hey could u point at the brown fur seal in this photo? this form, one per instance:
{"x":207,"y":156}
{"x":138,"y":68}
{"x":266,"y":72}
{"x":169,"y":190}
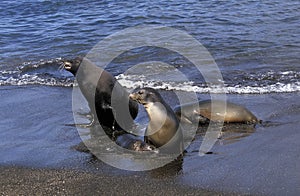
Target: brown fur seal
{"x":201,"y":112}
{"x":97,"y":86}
{"x":163,"y":130}
{"x":132,"y":142}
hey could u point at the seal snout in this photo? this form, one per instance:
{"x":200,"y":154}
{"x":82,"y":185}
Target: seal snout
{"x":72,"y":65}
{"x":145,"y":96}
{"x":67,"y":65}
{"x":142,"y":146}
{"x":133,"y":96}
{"x":137,"y":95}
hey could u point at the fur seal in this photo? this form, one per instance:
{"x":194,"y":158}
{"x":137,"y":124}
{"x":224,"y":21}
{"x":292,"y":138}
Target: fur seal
{"x":201,"y":112}
{"x":163,"y":130}
{"x":132,"y":142}
{"x":97,"y":86}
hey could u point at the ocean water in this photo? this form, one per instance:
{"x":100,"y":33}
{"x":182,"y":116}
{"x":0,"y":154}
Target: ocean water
{"x":254,"y":43}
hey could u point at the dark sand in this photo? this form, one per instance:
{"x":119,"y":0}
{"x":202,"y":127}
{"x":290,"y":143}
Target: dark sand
{"x":16,"y":181}
{"x":37,"y":153}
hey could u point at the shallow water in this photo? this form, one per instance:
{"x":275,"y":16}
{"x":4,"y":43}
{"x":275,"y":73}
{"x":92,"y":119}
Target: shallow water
{"x":31,"y":132}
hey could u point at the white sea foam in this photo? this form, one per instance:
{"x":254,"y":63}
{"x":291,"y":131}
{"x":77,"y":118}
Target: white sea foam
{"x":127,"y":82}
{"x":27,"y":79}
{"x":133,"y":81}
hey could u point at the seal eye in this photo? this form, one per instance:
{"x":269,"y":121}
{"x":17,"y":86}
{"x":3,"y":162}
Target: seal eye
{"x":141,"y":92}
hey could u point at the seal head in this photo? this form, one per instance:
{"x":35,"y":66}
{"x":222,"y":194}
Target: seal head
{"x":72,"y":65}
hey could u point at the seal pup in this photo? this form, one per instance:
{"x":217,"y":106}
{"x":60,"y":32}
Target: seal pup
{"x":132,"y":142}
{"x":201,"y":112}
{"x":163,"y":130}
{"x":98,"y":86}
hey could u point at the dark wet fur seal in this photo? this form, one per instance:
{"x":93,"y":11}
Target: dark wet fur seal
{"x":132,"y":142}
{"x":97,"y":86}
{"x":201,"y":112}
{"x":163,"y":130}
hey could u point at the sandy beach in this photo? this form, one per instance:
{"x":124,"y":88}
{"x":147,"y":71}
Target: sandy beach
{"x":38,"y":155}
{"x":27,"y":181}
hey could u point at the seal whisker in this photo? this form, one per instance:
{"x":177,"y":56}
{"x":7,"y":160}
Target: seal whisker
{"x":61,"y":66}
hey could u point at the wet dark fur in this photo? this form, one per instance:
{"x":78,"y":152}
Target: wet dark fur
{"x":99,"y":94}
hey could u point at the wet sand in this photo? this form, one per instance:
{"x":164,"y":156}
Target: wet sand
{"x":25,"y":181}
{"x":37,"y":142}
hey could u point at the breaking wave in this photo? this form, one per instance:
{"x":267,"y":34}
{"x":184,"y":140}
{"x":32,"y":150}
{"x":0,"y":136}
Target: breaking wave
{"x":48,"y":73}
{"x":277,"y":87}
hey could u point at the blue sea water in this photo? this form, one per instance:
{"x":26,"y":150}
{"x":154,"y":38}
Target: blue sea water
{"x":256,"y":44}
